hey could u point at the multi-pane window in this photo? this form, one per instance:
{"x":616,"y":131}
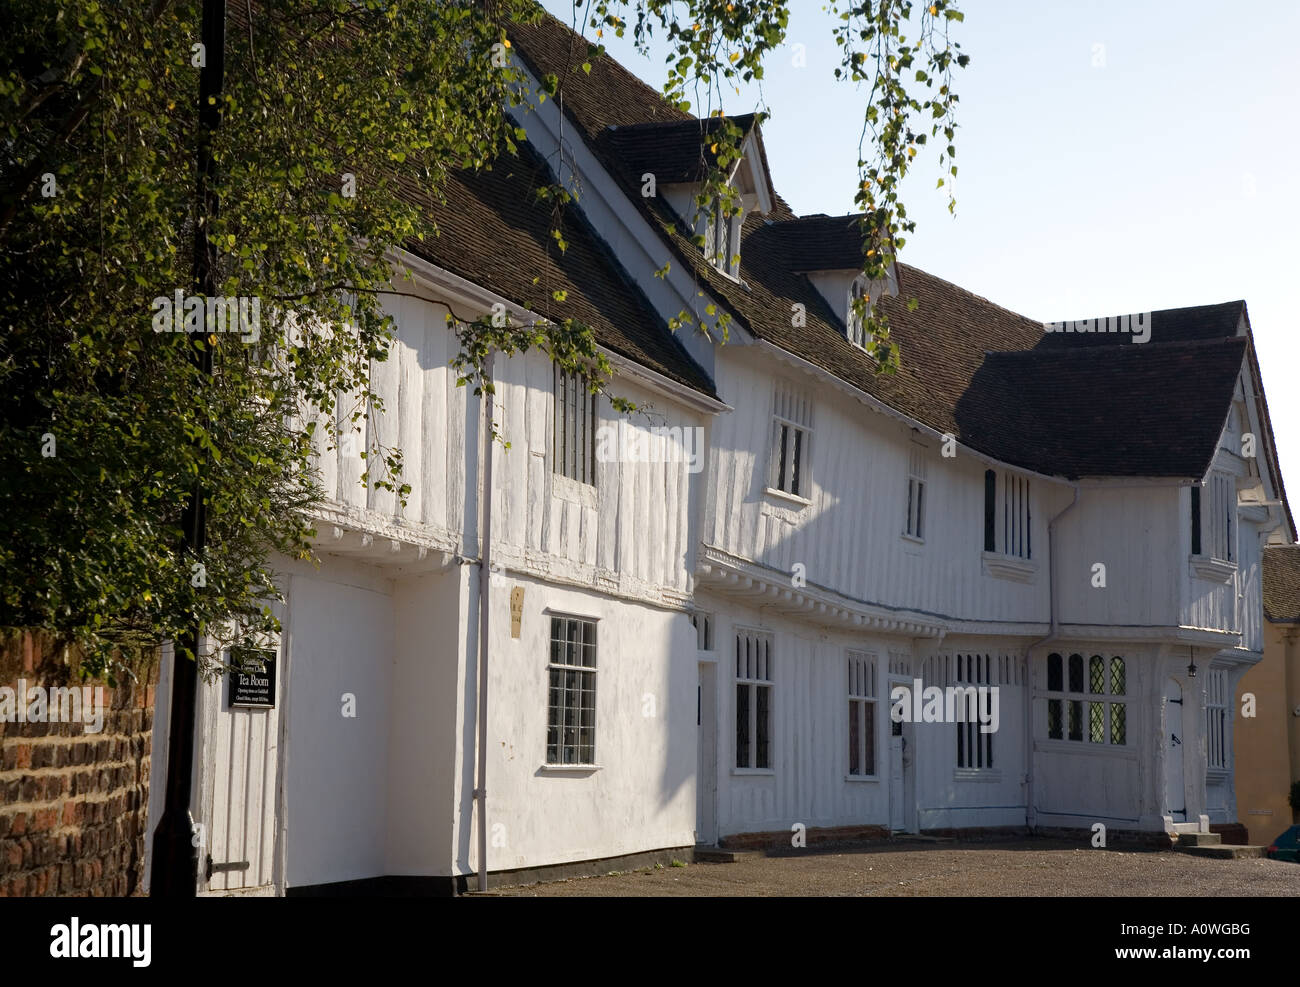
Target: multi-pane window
{"x":854,"y":320}
{"x":574,"y":444}
{"x":753,"y":699}
{"x":571,"y":704}
{"x":1007,"y":516}
{"x":703,"y":623}
{"x":1214,"y":519}
{"x":722,"y":239}
{"x":862,"y":714}
{"x":791,"y":434}
{"x":1216,"y":718}
{"x":974,"y":748}
{"x":916,"y":495}
{"x":1085,"y":699}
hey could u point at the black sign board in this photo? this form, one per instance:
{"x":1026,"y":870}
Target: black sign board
{"x":252,"y":678}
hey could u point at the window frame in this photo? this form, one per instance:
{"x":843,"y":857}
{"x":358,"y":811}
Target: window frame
{"x":1008,"y":515}
{"x":1067,"y":696}
{"x":974,"y":669}
{"x":914,"y":522}
{"x":790,"y":443}
{"x":1214,"y":519}
{"x":553,"y":667}
{"x":855,"y":325}
{"x":573,"y":418}
{"x":1218,"y":720}
{"x":862,"y":672}
{"x":753,"y":680}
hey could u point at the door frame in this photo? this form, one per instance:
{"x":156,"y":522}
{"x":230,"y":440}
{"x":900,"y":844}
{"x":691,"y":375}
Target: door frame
{"x":706,"y":735}
{"x":908,"y":755}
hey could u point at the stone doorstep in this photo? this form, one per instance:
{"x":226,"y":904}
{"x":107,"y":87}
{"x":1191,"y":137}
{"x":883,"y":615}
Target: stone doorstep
{"x":716,"y":855}
{"x":1186,"y":840}
{"x":1224,"y":852}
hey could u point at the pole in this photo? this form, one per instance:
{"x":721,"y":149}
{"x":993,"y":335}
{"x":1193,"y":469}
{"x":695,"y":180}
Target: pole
{"x":485,"y":623}
{"x":175,"y":866}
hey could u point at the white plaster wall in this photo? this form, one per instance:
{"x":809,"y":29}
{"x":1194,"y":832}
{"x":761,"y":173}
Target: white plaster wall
{"x":642,"y":797}
{"x":428,"y":638}
{"x":336,"y":804}
{"x":1135,"y":533}
{"x":850,"y":537}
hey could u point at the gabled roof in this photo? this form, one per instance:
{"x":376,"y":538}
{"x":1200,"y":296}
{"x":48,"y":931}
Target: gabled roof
{"x":1089,"y":410}
{"x":674,"y":150}
{"x":492,"y":230}
{"x":1282,"y":584}
{"x":1056,"y":403}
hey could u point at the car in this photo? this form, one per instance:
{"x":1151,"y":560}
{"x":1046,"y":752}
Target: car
{"x":1286,"y":846}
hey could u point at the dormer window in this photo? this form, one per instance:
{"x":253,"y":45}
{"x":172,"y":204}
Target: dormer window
{"x":722,"y":240}
{"x":854,"y":319}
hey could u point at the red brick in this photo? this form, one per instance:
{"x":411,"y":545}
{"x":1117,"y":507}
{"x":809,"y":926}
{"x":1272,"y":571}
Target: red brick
{"x":18,"y":825}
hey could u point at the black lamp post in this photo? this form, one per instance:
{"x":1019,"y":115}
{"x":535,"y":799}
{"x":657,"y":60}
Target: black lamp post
{"x":175,"y":865}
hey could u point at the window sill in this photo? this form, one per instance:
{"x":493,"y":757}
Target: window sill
{"x":859,"y":778}
{"x":912,"y":538}
{"x":792,"y":498}
{"x":1009,"y":567}
{"x":1205,"y":567}
{"x":570,"y":769}
{"x":977,"y":774}
{"x":1054,"y":746}
{"x":573,"y":491}
{"x":1217,"y":774}
{"x":758,"y":772}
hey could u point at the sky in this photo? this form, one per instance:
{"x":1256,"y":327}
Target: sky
{"x":1114,"y":156}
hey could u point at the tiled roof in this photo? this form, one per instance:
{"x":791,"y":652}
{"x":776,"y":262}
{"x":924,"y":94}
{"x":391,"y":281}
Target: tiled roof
{"x":1064,"y":404}
{"x":820,"y":243}
{"x":1089,"y":411}
{"x":494,"y":231}
{"x":673,"y":151}
{"x":1282,"y":583}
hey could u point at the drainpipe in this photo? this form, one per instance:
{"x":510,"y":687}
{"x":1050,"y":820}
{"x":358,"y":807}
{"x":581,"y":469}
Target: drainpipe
{"x":1053,"y":632}
{"x":484,"y":613}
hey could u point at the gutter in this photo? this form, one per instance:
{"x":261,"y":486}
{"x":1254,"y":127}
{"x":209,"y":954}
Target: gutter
{"x":1054,"y":631}
{"x":484,"y":614}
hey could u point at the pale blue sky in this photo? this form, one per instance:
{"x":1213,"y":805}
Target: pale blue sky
{"x":1161,"y":178}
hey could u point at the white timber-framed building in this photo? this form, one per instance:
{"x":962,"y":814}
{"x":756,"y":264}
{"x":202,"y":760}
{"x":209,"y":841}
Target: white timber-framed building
{"x":701,"y":649}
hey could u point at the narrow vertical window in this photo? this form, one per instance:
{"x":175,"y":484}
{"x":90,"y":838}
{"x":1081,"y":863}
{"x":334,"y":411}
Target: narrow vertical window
{"x":573,"y":446}
{"x":753,"y":700}
{"x":791,"y":430}
{"x":862,"y":714}
{"x":1196,"y":520}
{"x":990,"y":510}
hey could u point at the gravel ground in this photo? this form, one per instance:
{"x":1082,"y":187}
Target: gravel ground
{"x":1033,"y":868}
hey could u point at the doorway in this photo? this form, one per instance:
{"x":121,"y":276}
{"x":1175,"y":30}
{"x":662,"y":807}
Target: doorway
{"x":706,"y":774}
{"x":1175,"y":793}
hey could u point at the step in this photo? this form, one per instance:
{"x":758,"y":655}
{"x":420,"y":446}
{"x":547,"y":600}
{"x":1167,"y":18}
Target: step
{"x":1225,"y":852}
{"x":716,"y":855}
{"x":1198,"y":839}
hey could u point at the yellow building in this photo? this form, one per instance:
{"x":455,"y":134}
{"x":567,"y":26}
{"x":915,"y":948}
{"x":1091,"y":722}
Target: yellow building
{"x":1268,"y":744}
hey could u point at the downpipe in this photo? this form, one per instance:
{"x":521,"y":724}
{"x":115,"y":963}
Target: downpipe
{"x":484,"y":615}
{"x":1053,"y":632}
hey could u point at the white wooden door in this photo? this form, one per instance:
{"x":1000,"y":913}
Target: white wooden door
{"x":1175,"y":794}
{"x":706,"y":778}
{"x":240,"y":782}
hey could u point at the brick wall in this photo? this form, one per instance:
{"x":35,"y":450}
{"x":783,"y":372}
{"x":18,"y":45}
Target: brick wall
{"x":73,"y":804}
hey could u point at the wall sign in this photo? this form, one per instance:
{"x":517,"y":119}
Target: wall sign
{"x":252,"y":679}
{"x":516,"y":610}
